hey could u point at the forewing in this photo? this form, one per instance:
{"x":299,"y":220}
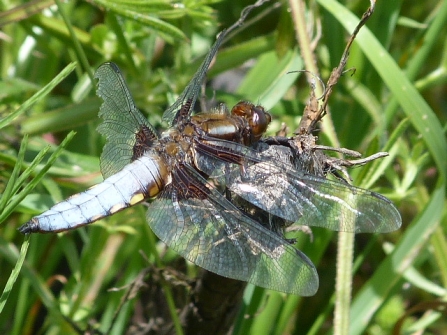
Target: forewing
{"x":123,"y":123}
{"x":270,"y":181}
{"x":215,"y":235}
{"x":284,"y":191}
{"x":182,"y":107}
{"x":214,"y":156}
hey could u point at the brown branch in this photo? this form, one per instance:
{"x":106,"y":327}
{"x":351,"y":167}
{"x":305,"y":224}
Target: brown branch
{"x":312,"y":116}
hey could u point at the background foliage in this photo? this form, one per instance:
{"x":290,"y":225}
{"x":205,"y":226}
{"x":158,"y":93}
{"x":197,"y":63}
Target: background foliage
{"x":395,"y":101}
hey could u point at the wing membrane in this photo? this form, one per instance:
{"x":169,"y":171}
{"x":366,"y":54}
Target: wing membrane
{"x":189,"y":95}
{"x":271,"y":182}
{"x":293,"y":195}
{"x":217,"y":236}
{"x":122,"y":120}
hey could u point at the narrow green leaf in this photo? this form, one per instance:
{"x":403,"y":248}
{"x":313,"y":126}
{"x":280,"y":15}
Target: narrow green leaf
{"x":370,"y":297}
{"x":38,"y":95}
{"x":14,"y":274}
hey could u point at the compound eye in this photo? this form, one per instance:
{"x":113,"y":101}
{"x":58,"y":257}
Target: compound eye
{"x":259,"y":121}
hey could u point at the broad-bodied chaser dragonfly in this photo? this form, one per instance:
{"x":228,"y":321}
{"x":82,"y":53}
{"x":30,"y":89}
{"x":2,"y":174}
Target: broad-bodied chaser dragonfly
{"x":209,"y":180}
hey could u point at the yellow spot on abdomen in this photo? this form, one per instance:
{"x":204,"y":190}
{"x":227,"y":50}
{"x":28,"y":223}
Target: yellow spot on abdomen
{"x":136,"y":198}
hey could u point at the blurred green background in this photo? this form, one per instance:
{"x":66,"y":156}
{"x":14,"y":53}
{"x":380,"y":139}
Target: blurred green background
{"x":395,"y":100}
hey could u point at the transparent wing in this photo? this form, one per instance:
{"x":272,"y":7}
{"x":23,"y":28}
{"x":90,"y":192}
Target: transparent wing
{"x":182,"y":107}
{"x":269,"y":181}
{"x":185,"y":102}
{"x":293,"y":195}
{"x":214,"y":234}
{"x":123,"y":122}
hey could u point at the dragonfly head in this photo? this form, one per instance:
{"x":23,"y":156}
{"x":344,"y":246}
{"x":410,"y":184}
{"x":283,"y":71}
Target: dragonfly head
{"x":258,"y":119}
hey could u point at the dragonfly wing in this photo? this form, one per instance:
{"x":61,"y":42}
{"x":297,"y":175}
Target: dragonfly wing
{"x":271,"y":181}
{"x":182,"y":107}
{"x":284,"y":191}
{"x":124,"y":127}
{"x":214,"y":234}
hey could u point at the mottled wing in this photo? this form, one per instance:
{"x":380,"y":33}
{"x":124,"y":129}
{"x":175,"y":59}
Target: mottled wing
{"x":215,"y":235}
{"x":126,"y":130}
{"x":284,"y":191}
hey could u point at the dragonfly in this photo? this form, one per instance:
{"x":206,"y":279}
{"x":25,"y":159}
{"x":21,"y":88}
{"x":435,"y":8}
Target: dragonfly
{"x":213,"y":183}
